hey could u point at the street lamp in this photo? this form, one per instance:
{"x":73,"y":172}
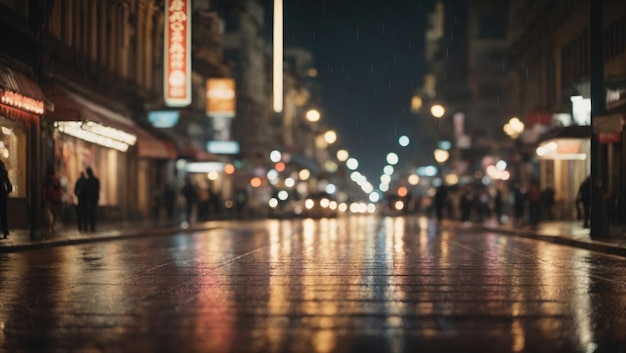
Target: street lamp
{"x":330,"y":137}
{"x":438,"y":111}
{"x":313,"y":115}
{"x":342,"y":155}
{"x":514,"y":128}
{"x":441,"y":156}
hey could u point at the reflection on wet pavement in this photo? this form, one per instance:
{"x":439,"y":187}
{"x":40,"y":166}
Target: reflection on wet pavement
{"x":360,"y":284}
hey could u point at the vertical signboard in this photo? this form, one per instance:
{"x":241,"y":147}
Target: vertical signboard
{"x":220,"y":97}
{"x":177,"y":53}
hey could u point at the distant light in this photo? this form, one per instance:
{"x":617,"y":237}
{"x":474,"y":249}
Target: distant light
{"x":255,"y":182}
{"x":414,"y":179}
{"x":331,"y":188}
{"x":444,"y":145}
{"x":428,"y":171}
{"x":304,"y":174}
{"x":275,"y":156}
{"x":343,"y":207}
{"x":392,"y":158}
{"x":404,"y":141}
{"x":213,"y":175}
{"x":355,"y":176}
{"x":309,"y":204}
{"x":402,"y":191}
{"x":501,"y":165}
{"x":384,"y":187}
{"x":272,"y":174}
{"x":352,"y":163}
{"x":438,"y":111}
{"x":388,"y":170}
{"x":441,"y":155}
{"x":399,"y":205}
{"x":367,"y":187}
{"x":273,"y":203}
{"x":374,"y":197}
{"x":313,"y":115}
{"x":452,"y":179}
{"x":330,"y":166}
{"x":342,"y":155}
{"x":229,"y":169}
{"x":283,"y":195}
{"x":290,"y":182}
{"x":280,"y":166}
{"x":370,"y":208}
{"x":312,"y":72}
{"x":330,"y":137}
{"x":385,"y":178}
{"x":302,"y":187}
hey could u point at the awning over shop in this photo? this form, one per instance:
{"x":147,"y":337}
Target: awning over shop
{"x":20,"y":96}
{"x":77,"y":116}
{"x":565,"y":143}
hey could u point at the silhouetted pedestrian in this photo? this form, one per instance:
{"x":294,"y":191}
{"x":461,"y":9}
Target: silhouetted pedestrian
{"x":5,"y":189}
{"x":81,"y":205}
{"x":584,"y":198}
{"x":467,"y":201}
{"x":441,"y":197}
{"x":190,"y":194}
{"x":92,"y":196}
{"x":498,"y":205}
{"x":519,"y":203}
{"x":52,"y":196}
{"x":534,"y":202}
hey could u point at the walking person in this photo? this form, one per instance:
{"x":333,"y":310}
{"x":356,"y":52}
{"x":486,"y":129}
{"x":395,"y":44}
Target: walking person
{"x":5,"y":189}
{"x":498,"y":205}
{"x":81,"y":205}
{"x":52,"y":196}
{"x":190,"y":194}
{"x":534,"y":202}
{"x":92,"y":196}
{"x":584,"y":197}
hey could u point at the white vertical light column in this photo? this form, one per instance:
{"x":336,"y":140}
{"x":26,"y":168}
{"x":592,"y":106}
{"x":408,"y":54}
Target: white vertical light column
{"x":278,"y":56}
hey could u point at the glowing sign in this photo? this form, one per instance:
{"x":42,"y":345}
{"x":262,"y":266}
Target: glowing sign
{"x":164,"y":118}
{"x":177,"y":53}
{"x":98,"y":134}
{"x":220,"y":97}
{"x":20,"y":101}
{"x":222,"y":147}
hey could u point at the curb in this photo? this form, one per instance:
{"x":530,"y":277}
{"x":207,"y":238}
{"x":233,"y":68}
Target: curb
{"x":593,"y":245}
{"x":129,"y":234}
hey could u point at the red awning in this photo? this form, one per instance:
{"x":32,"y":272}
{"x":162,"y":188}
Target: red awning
{"x":18,"y":82}
{"x":70,"y":107}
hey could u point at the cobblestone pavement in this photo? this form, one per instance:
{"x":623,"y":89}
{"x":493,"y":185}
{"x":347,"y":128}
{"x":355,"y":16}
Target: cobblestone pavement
{"x":358,"y":284}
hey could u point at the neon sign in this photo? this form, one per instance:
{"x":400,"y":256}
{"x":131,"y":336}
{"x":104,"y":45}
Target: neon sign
{"x":23,"y":102}
{"x":177,"y":53}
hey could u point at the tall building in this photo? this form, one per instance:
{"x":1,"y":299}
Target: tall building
{"x":551,"y":48}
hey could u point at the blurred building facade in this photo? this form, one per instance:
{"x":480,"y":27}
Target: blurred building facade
{"x":550,"y":90}
{"x":466,"y":55}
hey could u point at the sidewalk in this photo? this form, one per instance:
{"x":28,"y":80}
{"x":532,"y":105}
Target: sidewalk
{"x":566,"y":233}
{"x":20,"y":239}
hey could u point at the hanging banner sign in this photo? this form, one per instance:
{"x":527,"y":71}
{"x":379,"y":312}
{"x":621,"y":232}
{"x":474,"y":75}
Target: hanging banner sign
{"x":177,"y":53}
{"x":220,"y":97}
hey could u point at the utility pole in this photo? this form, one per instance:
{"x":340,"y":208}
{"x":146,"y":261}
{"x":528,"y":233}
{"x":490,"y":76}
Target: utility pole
{"x":598,"y":226}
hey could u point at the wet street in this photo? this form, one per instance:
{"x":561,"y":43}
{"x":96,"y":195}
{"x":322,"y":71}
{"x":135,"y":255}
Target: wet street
{"x":360,"y":284}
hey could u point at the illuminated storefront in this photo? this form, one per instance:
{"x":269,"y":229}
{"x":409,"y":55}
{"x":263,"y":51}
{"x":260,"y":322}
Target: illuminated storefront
{"x":21,"y":106}
{"x":118,"y":151}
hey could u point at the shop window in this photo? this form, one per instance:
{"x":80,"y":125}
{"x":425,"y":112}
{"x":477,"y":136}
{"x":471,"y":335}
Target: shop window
{"x":13,"y":140}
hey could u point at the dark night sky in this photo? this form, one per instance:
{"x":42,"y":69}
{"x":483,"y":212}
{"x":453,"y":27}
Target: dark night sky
{"x":369,"y":55}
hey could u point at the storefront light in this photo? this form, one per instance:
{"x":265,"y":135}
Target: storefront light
{"x":98,"y":134}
